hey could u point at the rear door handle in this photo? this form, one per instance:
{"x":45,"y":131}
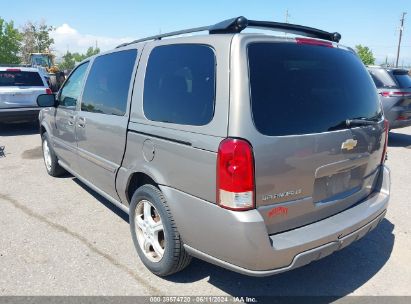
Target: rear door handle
{"x":81,"y":122}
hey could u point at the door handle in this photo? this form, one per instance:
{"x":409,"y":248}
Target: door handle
{"x":81,"y":122}
{"x":71,"y":120}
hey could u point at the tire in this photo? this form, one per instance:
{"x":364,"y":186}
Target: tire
{"x":162,"y":252}
{"x":50,"y":159}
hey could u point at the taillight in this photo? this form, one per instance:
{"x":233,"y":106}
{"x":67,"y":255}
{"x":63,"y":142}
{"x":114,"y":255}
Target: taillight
{"x":49,"y":91}
{"x":313,"y":42}
{"x":13,"y":70}
{"x":235,"y":175}
{"x":386,"y":130}
{"x":395,"y":94}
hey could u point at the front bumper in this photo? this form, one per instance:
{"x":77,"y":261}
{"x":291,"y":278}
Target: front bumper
{"x":239,"y":240}
{"x":19,"y":114}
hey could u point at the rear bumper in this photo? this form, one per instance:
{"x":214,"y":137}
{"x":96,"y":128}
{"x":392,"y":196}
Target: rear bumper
{"x":396,"y":112}
{"x":400,"y":124}
{"x":19,"y":114}
{"x":239,"y":240}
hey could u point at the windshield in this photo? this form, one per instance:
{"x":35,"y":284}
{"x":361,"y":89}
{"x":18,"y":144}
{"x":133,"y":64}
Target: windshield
{"x":20,"y":79}
{"x":41,"y":60}
{"x":303,"y":89}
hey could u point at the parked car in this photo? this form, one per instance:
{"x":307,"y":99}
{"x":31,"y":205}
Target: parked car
{"x":19,"y":88}
{"x":253,"y":152}
{"x":394,"y":87}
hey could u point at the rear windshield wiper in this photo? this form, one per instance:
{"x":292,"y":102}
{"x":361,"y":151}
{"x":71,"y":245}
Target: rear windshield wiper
{"x":360,"y":122}
{"x":348,"y":123}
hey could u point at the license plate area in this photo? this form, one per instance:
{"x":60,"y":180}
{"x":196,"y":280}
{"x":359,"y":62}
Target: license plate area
{"x":338,"y":185}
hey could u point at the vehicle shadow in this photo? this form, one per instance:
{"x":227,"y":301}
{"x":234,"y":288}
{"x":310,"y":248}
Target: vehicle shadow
{"x":334,"y":276}
{"x":399,"y":140}
{"x":16,"y":129}
{"x":120,"y":213}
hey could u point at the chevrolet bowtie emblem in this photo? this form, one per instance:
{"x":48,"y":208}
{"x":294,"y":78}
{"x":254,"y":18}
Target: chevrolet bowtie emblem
{"x":349,"y":144}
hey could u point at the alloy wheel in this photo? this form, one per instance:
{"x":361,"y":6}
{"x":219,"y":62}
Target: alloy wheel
{"x":150,"y":231}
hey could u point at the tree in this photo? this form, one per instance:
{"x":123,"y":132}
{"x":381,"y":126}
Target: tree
{"x":36,"y":39}
{"x":68,"y":62}
{"x":70,"y":59}
{"x":9,"y":43}
{"x":365,"y":54}
{"x":91,"y":52}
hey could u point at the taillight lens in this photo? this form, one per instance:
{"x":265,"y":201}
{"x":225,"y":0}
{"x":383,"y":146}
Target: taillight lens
{"x":395,"y":94}
{"x":49,"y":91}
{"x":386,"y":130}
{"x":235,"y":175}
{"x":401,"y":117}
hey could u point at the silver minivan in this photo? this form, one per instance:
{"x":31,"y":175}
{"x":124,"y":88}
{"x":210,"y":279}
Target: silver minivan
{"x":254,"y":152}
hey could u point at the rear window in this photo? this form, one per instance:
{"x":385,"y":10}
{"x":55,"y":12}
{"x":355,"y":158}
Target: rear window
{"x":20,"y":79}
{"x":404,"y":80}
{"x":303,"y":89}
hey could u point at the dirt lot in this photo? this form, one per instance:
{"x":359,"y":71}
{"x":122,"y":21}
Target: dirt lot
{"x":60,"y":238}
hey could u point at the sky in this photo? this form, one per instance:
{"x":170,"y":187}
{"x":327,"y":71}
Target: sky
{"x":81,"y":24}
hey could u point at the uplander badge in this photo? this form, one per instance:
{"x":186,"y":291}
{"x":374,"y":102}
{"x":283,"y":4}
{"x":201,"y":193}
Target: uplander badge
{"x":281,"y":195}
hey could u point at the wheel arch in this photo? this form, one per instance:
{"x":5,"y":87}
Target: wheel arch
{"x":44,"y":129}
{"x":136,"y":180}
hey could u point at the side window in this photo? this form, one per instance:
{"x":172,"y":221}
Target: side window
{"x":72,"y":88}
{"x":385,"y":79}
{"x":108,"y":83}
{"x":179,"y":85}
{"x":378,"y":83}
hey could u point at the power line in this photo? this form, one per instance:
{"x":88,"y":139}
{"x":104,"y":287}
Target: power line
{"x":387,"y":46}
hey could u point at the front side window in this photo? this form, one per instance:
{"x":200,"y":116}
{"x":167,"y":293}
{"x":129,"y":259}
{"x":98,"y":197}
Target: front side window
{"x":179,"y":86}
{"x":107,"y":86}
{"x":72,"y":88}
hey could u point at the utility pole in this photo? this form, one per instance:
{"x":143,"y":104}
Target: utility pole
{"x":399,"y":42}
{"x":287,"y":15}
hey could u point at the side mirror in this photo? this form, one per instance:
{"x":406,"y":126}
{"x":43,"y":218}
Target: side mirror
{"x":46,"y":100}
